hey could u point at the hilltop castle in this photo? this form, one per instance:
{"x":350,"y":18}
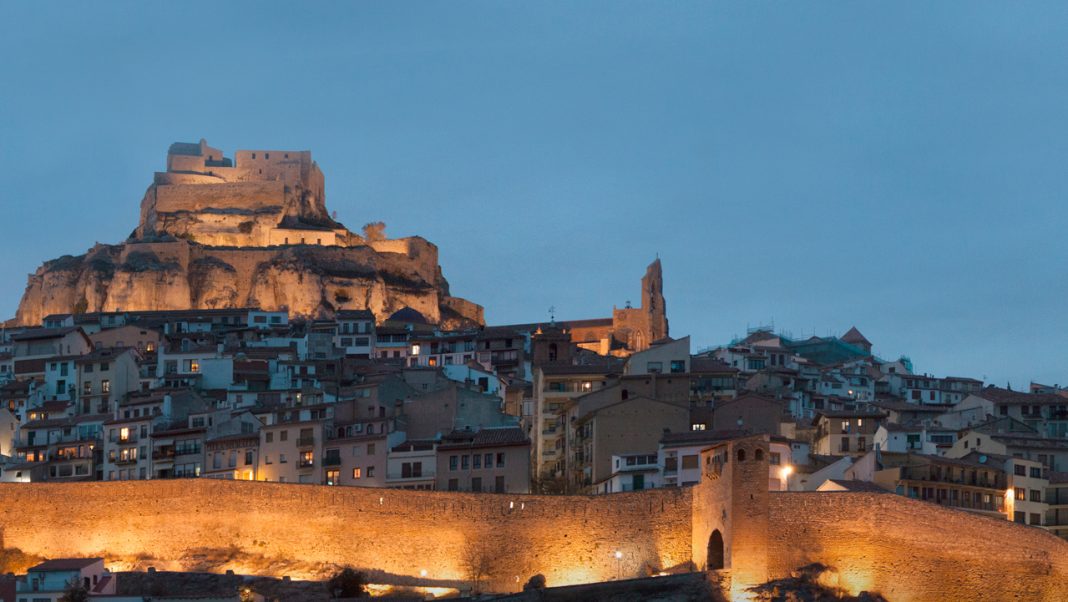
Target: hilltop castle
{"x":217,"y":233}
{"x":265,"y":198}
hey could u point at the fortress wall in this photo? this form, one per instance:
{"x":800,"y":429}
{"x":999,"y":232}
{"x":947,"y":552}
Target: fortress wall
{"x":395,"y":245}
{"x":233,"y":195}
{"x":569,"y":539}
{"x":909,"y":550}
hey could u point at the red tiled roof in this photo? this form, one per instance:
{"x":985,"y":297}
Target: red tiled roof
{"x":490,"y":437}
{"x":66,"y":564}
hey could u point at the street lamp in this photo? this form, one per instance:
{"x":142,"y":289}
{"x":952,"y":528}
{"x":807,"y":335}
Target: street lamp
{"x":619,"y":565}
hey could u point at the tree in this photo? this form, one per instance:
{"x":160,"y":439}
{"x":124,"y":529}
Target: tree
{"x":374,"y":231}
{"x":479,"y":562}
{"x":349,"y":583}
{"x":75,"y":592}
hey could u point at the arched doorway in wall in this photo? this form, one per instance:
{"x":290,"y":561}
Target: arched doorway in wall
{"x":715,"y":551}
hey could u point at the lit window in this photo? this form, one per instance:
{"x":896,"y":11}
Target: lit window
{"x":356,"y":473}
{"x":124,"y":433}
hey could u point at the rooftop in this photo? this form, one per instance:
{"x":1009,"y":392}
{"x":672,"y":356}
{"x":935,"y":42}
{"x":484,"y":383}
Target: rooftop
{"x":66,"y":564}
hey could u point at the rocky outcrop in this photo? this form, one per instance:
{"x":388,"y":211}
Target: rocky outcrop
{"x":233,"y":236}
{"x":308,"y":280}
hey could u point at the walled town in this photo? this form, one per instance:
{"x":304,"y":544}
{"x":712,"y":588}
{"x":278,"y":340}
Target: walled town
{"x":245,"y":374}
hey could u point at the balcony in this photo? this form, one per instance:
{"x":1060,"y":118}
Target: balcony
{"x":305,"y":463}
{"x":125,"y":461}
{"x":332,"y":461}
{"x":163,"y":453}
{"x":308,"y":441}
{"x":186,"y":450}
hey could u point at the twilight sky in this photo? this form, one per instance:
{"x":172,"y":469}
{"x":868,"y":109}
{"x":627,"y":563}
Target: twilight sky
{"x":901,"y":167}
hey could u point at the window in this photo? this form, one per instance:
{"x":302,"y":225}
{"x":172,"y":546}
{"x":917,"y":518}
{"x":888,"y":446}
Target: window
{"x":270,"y":437}
{"x":105,"y":386}
{"x":267,"y":459}
{"x":1020,"y":469}
{"x":356,"y":473}
{"x":370,"y":449}
{"x":124,"y":433}
{"x":283,"y":435}
{"x":332,"y":476}
{"x":678,"y":366}
{"x":87,"y":388}
{"x":1021,"y":493}
{"x":465,"y":461}
{"x":1036,"y":495}
{"x":1036,"y":472}
{"x":776,"y":458}
{"x":454,"y":484}
{"x":844,"y":446}
{"x":453,"y":462}
{"x":477,"y":461}
{"x":281,"y":458}
{"x":697,"y":426}
{"x":370,"y":472}
{"x":654,"y":367}
{"x":500,"y":460}
{"x":488,"y":462}
{"x":498,"y":484}
{"x":248,"y":457}
{"x":1036,"y":518}
{"x":476,"y":484}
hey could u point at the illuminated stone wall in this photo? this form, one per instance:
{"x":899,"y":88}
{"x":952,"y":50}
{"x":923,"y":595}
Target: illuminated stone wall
{"x":909,"y":550}
{"x":569,"y":539}
{"x":904,"y":549}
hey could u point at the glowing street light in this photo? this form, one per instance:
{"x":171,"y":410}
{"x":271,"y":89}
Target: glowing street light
{"x":619,"y":565}
{"x":784,"y":476}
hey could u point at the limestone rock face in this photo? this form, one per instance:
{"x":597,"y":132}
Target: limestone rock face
{"x":213,"y":235}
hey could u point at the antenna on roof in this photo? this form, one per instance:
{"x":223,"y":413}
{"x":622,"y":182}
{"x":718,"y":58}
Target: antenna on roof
{"x":552,"y":314}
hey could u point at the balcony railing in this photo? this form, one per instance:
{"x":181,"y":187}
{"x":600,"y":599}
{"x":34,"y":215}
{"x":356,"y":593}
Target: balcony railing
{"x":186,"y":450}
{"x":163,"y":454}
{"x":305,"y":463}
{"x":332,"y":461}
{"x":305,"y":441}
{"x":125,"y":461}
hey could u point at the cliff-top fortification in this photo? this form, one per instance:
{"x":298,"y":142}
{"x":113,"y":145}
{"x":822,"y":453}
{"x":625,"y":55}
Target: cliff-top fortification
{"x":252,"y":231}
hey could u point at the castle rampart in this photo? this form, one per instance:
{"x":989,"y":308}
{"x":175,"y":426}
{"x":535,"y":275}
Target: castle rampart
{"x":904,"y":549}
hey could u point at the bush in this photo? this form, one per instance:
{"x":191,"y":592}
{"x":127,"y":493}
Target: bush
{"x":535,"y":582}
{"x":349,"y":583}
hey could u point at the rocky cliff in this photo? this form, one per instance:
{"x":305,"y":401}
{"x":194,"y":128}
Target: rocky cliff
{"x":210,"y":245}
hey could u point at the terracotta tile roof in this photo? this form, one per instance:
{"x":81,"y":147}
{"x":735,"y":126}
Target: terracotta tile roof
{"x":43,"y":333}
{"x":66,"y":564}
{"x":700,"y":437}
{"x":853,"y":336}
{"x":489,"y":437}
{"x":854,"y":485}
{"x":1007,"y":397}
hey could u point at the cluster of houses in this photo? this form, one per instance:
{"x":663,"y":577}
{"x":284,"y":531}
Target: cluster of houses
{"x":360,"y":400}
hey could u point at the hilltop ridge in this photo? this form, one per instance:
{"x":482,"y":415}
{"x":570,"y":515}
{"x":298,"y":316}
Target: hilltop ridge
{"x":252,"y":231}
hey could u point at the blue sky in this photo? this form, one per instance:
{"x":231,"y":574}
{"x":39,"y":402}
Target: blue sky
{"x":899,"y":166}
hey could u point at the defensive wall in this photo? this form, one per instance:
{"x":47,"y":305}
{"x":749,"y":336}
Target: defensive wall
{"x":904,"y":549}
{"x":568,"y":539}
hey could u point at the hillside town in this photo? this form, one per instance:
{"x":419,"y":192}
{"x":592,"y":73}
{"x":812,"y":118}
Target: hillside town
{"x":581,"y":407}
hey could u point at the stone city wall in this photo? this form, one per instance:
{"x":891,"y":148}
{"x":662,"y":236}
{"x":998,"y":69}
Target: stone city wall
{"x":569,"y":539}
{"x":909,"y":550}
{"x":244,"y":196}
